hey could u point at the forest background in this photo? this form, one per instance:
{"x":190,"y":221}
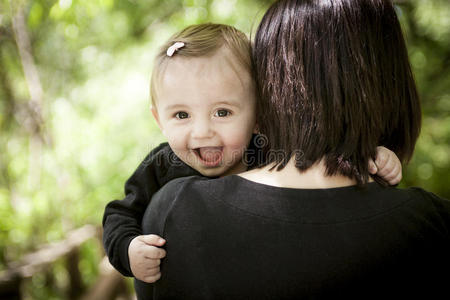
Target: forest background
{"x":74,"y":108}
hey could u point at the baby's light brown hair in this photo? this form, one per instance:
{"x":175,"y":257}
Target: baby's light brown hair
{"x":202,"y":40}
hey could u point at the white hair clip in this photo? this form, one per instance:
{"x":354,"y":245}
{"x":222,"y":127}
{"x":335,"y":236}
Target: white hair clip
{"x":174,"y":47}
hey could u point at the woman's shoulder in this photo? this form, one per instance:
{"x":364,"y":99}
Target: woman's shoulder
{"x":425,"y":194}
{"x":180,"y":192}
{"x":442,"y":205}
{"x":179,"y":185}
{"x":166,"y":199}
{"x":183,"y":184}
{"x":186,"y":187}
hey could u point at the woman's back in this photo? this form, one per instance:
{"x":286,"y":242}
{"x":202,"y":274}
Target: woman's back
{"x":334,"y":81}
{"x":261,"y":241}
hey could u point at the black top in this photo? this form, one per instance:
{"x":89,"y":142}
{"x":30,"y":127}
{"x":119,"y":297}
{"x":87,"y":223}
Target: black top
{"x":236,"y":239}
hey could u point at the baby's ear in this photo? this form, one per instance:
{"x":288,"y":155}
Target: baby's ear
{"x":156,"y":116}
{"x":256,"y":129}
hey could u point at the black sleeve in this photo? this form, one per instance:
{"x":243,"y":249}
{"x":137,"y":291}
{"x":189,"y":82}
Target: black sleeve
{"x":122,"y":218}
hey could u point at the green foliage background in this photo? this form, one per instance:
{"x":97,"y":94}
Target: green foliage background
{"x":65,"y":155}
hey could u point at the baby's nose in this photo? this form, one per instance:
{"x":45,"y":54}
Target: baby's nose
{"x":202,"y":129}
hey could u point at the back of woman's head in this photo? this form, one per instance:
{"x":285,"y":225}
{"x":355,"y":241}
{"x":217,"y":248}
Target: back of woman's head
{"x":335,"y":82}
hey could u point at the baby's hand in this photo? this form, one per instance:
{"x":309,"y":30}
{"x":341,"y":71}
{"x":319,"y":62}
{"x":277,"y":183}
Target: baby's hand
{"x":387,"y":166}
{"x":145,"y":257}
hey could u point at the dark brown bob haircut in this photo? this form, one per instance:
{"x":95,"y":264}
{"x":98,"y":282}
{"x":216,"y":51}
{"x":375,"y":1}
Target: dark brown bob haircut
{"x":335,"y":82}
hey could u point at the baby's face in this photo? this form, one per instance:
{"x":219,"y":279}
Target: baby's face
{"x":206,"y":109}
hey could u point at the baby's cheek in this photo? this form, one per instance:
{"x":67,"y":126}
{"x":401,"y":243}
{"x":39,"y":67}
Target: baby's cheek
{"x":237,"y":145}
{"x":238,"y":136}
{"x":176,"y":141}
{"x":238,"y":142}
{"x":179,"y":148}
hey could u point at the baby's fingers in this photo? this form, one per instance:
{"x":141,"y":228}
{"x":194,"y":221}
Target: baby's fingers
{"x":152,"y":263}
{"x":397,"y":179}
{"x":382,"y":157}
{"x":154,"y":252}
{"x":153,"y":239}
{"x":152,"y":278}
{"x":372,"y":167}
{"x":395,"y":176}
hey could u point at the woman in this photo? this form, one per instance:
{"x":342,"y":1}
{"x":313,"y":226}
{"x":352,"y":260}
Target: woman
{"x":335,"y":81}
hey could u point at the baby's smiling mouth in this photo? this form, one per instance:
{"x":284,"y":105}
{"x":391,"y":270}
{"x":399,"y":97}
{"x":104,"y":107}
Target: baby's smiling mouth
{"x":209,"y":156}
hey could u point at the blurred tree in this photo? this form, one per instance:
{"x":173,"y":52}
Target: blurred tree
{"x":427,"y":28}
{"x":74,"y":117}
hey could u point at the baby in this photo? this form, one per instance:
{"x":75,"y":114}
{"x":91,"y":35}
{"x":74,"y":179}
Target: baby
{"x":203,"y":99}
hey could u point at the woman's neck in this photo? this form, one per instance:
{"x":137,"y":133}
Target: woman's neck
{"x":291,"y":177}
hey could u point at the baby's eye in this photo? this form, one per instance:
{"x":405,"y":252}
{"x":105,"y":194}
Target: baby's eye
{"x":221,"y":113}
{"x":181,"y":115}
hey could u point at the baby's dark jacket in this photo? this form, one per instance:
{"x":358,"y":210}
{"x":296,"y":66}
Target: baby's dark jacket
{"x":122,"y":218}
